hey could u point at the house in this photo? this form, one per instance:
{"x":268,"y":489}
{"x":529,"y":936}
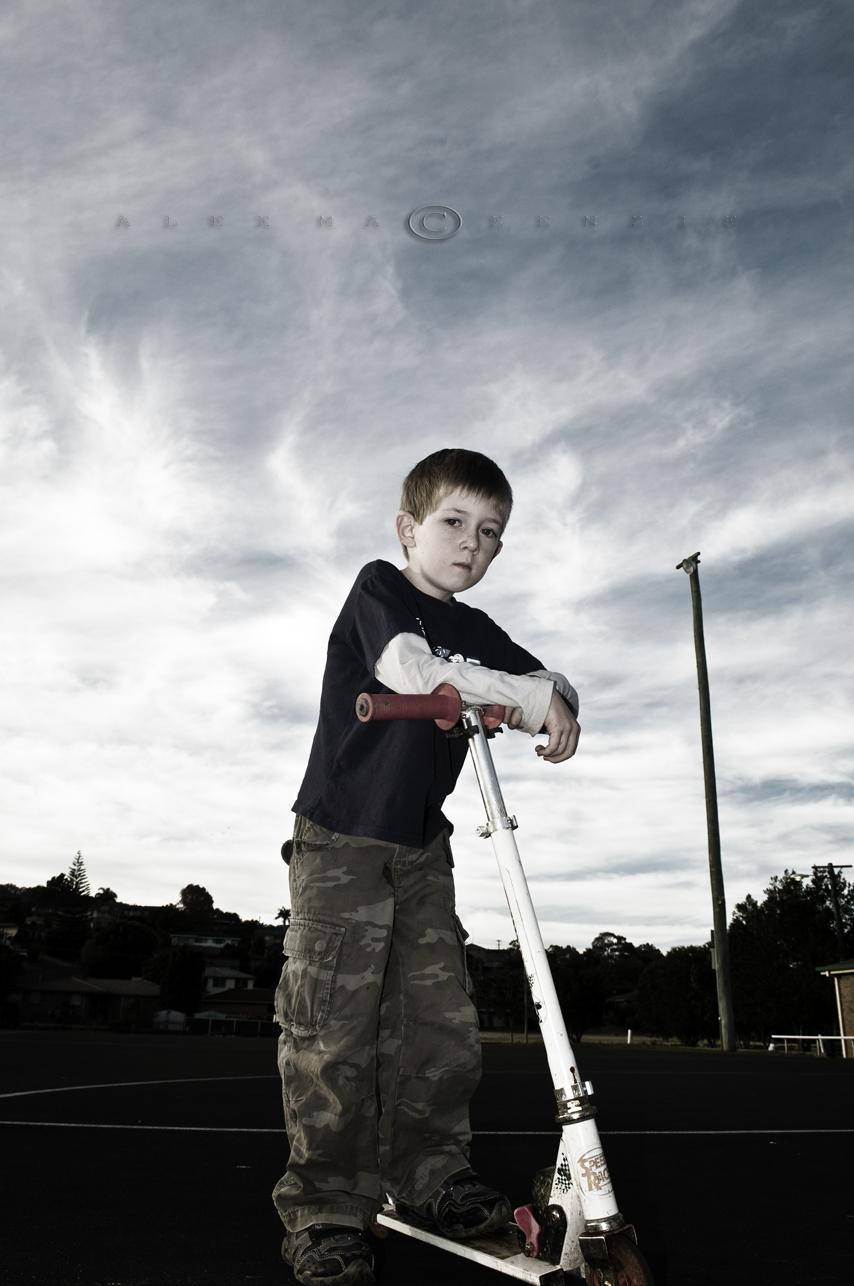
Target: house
{"x":88,"y":1001}
{"x":219,"y":978}
{"x":241,"y":1002}
{"x":271,"y":934}
{"x":842,"y":974}
{"x":204,"y":941}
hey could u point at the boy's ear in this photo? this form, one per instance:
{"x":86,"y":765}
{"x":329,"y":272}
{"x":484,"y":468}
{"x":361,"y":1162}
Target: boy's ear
{"x":498,"y":549}
{"x":405,"y":526}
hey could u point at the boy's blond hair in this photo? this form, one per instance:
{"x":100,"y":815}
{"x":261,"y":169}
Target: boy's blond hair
{"x":453,"y":469}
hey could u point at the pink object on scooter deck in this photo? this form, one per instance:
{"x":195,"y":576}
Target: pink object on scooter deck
{"x":527,"y":1221}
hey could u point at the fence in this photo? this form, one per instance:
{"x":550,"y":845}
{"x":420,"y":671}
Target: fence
{"x":210,"y":1026}
{"x":816,"y":1040}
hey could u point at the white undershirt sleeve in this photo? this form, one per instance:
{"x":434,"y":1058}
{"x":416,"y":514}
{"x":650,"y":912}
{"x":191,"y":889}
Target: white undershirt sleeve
{"x":563,"y":686}
{"x":408,"y":665}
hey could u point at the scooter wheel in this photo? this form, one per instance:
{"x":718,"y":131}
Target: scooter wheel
{"x":627,"y":1267}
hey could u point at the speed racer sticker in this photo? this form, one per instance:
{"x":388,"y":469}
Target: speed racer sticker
{"x":594,"y":1172}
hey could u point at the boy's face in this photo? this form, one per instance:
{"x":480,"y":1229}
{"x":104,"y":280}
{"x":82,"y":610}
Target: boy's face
{"x":451,"y":549}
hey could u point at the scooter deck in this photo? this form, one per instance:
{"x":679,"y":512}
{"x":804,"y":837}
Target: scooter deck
{"x":498,"y":1251}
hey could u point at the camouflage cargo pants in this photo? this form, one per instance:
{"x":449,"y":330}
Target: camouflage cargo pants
{"x":379,"y":1051}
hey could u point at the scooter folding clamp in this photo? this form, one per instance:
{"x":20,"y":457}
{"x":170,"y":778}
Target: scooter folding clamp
{"x":609,"y":1226}
{"x":460,"y":730}
{"x":487,"y":828}
{"x":578,"y":1108}
{"x":471,"y":730}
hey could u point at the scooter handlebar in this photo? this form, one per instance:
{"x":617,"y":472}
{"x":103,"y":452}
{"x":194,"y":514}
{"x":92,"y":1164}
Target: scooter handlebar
{"x":443,"y":705}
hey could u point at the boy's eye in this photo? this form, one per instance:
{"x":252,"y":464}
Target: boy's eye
{"x":487,"y":531}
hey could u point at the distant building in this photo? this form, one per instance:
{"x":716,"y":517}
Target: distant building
{"x":219,"y":978}
{"x":842,"y":974}
{"x":204,"y":941}
{"x":240,"y":1002}
{"x":107,"y":911}
{"x":88,"y":1001}
{"x":8,"y":932}
{"x":271,"y":935}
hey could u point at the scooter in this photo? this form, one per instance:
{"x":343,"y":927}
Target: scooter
{"x":573,"y":1230}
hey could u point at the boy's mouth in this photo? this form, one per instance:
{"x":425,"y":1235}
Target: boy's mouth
{"x":467,"y":566}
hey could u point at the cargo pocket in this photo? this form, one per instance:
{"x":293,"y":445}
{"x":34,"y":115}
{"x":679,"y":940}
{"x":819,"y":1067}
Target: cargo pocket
{"x":462,"y":938}
{"x":304,"y":996}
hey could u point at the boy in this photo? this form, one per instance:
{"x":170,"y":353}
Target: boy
{"x":380,"y":1052}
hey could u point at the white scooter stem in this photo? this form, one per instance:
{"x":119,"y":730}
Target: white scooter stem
{"x":581,"y":1148}
{"x":596,"y":1235}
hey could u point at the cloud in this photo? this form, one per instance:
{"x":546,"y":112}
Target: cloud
{"x":204,"y":426}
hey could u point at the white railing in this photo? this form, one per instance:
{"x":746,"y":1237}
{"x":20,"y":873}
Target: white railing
{"x":818,"y":1040}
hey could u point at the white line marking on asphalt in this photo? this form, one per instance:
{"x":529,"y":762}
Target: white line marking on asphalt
{"x":654,"y":1073}
{"x":480,"y":1134}
{"x":614,"y":1133}
{"x":119,"y":1085}
{"x":181,"y":1129}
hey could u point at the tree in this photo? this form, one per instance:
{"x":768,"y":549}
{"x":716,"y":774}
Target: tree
{"x":106,"y":896}
{"x":676,"y":996}
{"x":180,"y":973}
{"x":580,"y":985}
{"x":197,"y":902}
{"x":10,"y":968}
{"x":65,"y":936}
{"x":77,"y":877}
{"x":610,"y":946}
{"x":498,"y":983}
{"x":621,"y":962}
{"x":269,"y":969}
{"x":118,"y":949}
{"x":166,"y":920}
{"x":59,"y":892}
{"x":776,"y":946}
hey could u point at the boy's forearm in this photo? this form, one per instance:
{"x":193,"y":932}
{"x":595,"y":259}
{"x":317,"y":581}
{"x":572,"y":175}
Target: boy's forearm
{"x":408,"y":665}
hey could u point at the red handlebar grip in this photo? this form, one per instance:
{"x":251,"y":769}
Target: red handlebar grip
{"x":443,"y":705}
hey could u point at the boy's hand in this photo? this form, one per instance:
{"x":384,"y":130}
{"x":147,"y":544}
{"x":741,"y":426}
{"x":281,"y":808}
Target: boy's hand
{"x":563,"y":730}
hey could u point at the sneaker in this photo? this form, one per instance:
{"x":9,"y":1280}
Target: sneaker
{"x":329,"y":1255}
{"x":460,"y":1208}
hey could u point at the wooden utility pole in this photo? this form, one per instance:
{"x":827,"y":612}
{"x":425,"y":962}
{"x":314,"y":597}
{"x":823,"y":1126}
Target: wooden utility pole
{"x":719,"y":916}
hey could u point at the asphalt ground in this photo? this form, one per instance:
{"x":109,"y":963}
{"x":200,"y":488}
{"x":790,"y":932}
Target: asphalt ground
{"x":149,"y":1160}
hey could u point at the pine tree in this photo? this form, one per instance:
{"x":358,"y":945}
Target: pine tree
{"x":77,"y":877}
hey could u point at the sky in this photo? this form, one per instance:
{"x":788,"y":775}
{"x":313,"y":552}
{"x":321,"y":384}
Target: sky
{"x":228,"y":330}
